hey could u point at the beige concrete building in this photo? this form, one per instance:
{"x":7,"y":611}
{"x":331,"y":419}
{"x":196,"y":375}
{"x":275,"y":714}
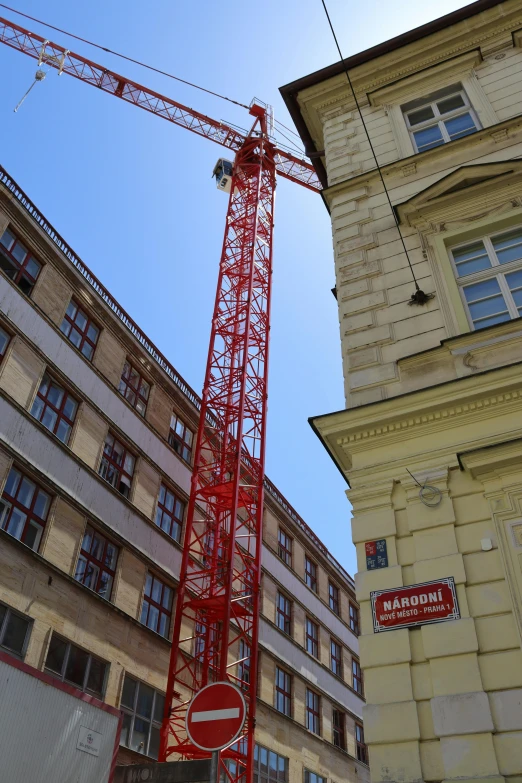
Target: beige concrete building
{"x":433,"y":391}
{"x":97,"y":431}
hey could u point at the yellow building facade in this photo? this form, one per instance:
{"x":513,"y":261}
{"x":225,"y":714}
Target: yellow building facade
{"x":96,"y":446}
{"x":431,"y":437}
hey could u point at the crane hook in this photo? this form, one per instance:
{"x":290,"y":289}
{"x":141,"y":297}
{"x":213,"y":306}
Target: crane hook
{"x":38,"y":77}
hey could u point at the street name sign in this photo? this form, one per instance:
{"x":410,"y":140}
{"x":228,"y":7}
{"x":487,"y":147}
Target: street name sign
{"x":215,"y":716}
{"x":422,"y":604}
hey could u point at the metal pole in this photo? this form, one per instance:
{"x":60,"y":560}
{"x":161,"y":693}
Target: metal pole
{"x":214,"y":767}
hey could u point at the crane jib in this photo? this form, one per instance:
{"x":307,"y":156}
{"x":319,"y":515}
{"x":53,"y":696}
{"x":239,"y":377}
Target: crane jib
{"x":65,"y":61}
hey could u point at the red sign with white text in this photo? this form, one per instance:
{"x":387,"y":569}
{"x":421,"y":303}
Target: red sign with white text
{"x":404,"y":607}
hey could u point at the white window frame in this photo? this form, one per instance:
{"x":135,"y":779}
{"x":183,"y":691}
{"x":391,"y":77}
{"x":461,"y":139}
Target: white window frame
{"x":496,"y":270}
{"x":438,"y":118}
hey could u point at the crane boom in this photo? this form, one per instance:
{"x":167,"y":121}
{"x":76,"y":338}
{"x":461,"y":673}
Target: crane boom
{"x":65,"y":61}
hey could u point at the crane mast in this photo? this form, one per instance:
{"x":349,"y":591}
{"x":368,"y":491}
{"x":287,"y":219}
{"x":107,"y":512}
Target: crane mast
{"x":218,"y":595}
{"x":216,"y":622}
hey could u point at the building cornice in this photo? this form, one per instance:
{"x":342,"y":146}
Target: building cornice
{"x":347,"y":434}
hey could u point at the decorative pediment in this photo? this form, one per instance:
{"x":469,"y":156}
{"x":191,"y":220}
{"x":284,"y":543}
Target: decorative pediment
{"x":468,"y":193}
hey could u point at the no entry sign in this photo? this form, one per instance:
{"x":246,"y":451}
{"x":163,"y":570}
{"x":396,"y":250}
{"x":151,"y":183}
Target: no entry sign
{"x":404,"y":607}
{"x":215,"y":716}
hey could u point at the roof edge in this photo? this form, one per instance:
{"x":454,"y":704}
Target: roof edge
{"x":290,"y":91}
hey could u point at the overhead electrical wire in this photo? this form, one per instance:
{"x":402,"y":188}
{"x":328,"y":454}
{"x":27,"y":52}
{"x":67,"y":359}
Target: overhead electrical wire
{"x":278,"y":122}
{"x":148,"y":67}
{"x":419,"y":297}
{"x":124,"y":57}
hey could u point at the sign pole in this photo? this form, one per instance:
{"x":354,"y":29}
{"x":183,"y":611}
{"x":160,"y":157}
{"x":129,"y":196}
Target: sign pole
{"x":214,"y":767}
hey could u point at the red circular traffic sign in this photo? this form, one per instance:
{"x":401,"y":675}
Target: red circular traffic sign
{"x":215,"y":716}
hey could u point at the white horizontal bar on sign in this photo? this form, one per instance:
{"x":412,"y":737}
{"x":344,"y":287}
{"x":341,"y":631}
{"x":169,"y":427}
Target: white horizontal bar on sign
{"x":199,"y":717}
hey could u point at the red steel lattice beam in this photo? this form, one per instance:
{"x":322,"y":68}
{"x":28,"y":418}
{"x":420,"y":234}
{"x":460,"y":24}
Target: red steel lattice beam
{"x":218,"y":598}
{"x":65,"y":61}
{"x":218,"y":595}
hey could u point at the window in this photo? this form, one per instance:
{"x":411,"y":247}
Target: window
{"x":76,"y":666}
{"x":313,"y":717}
{"x":338,"y":729}
{"x":354,"y":619}
{"x":269,"y":767}
{"x":362,"y":750}
{"x":200,"y":641}
{"x":336,"y":658}
{"x":4,"y":342}
{"x":310,"y":574}
{"x":80,"y":330}
{"x":313,"y":777}
{"x":243,"y":669}
{"x":284,"y":613}
{"x":169,"y":513}
{"x":284,"y":547}
{"x":312,"y":638}
{"x":14,"y":631}
{"x":117,"y":465}
{"x":180,"y":438}
{"x":200,"y":630}
{"x":96,"y":565}
{"x":55,"y":408}
{"x":142,"y":708}
{"x":134,"y":388}
{"x":333,"y":598}
{"x":18,"y":263}
{"x":489,"y":275}
{"x":24,"y":507}
{"x":157,"y":606}
{"x":283,"y":692}
{"x":357,"y":683}
{"x":444,"y":116}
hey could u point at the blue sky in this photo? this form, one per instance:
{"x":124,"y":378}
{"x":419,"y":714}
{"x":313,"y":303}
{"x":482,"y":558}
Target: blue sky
{"x":133,"y":196}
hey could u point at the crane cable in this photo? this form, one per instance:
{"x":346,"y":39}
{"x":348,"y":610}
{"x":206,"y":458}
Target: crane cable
{"x":125,"y":57}
{"x":149,"y":67}
{"x":419,"y":297}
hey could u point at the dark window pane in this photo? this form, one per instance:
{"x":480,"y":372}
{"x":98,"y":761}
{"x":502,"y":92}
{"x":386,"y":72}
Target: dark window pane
{"x":140,"y":735}
{"x":76,"y":666}
{"x":450,"y":104}
{"x":96,"y":677}
{"x":159,"y":706}
{"x":125,"y":730}
{"x":144,"y":703}
{"x":56,"y":654}
{"x":129,"y":692}
{"x":420,"y":115}
{"x":15,"y":633}
{"x":154,"y":742}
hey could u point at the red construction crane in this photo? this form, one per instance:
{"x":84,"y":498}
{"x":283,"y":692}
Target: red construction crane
{"x":215,"y":635}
